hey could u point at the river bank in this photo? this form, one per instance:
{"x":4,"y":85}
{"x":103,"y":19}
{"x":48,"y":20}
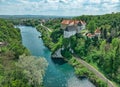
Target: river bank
{"x":57,"y":75}
{"x":80,"y":70}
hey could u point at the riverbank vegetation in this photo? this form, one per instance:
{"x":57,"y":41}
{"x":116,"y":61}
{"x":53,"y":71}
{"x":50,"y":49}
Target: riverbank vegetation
{"x":33,"y":68}
{"x":83,"y":72}
{"x":79,"y":69}
{"x":25,"y":21}
{"x":12,"y":73}
{"x":52,"y":40}
{"x":102,"y":52}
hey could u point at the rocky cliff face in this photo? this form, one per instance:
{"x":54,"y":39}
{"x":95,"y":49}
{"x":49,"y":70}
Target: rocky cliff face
{"x":57,"y":54}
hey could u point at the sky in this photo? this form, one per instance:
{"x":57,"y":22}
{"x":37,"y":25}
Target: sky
{"x":58,"y":7}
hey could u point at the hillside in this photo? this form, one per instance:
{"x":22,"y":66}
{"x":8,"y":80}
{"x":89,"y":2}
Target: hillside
{"x":102,"y":52}
{"x":15,"y":60}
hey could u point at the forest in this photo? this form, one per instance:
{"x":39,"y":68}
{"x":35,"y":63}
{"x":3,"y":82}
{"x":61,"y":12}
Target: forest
{"x":15,"y":60}
{"x":102,"y":52}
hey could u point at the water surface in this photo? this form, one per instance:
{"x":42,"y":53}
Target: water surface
{"x":57,"y":75}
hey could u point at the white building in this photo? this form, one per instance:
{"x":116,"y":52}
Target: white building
{"x":71,"y":27}
{"x":97,"y":32}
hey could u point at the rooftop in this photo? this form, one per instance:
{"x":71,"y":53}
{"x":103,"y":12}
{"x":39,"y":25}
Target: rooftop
{"x":97,"y":31}
{"x":90,"y":35}
{"x":72,"y":22}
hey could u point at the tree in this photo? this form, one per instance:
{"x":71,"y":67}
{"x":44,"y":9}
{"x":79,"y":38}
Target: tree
{"x":102,"y":47}
{"x":33,"y":68}
{"x":117,"y":60}
{"x":91,"y":26}
{"x":105,"y":33}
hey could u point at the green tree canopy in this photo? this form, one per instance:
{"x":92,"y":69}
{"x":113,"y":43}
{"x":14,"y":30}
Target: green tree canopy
{"x":34,"y":69}
{"x":92,"y":26}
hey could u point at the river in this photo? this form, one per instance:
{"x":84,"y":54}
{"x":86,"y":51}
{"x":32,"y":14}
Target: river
{"x":57,"y":75}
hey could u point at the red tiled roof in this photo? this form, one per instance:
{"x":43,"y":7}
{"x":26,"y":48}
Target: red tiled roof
{"x":82,"y":22}
{"x":65,"y":22}
{"x":90,"y":35}
{"x":72,"y":22}
{"x":76,"y":21}
{"x":97,"y":31}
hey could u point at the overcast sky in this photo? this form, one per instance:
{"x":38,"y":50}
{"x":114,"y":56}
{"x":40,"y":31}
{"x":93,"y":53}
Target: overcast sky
{"x":58,"y":7}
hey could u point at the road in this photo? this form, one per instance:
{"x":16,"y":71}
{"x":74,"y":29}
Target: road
{"x":46,"y":27}
{"x":96,"y":72}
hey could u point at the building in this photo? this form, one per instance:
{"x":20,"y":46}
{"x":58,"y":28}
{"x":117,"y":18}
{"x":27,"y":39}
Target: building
{"x":90,"y":35}
{"x":97,"y":33}
{"x":71,"y":27}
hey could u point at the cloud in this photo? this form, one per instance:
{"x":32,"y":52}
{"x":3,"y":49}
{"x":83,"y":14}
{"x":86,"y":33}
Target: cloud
{"x":115,"y":1}
{"x":95,"y":1}
{"x":59,"y":7}
{"x":2,"y":0}
{"x":53,"y":0}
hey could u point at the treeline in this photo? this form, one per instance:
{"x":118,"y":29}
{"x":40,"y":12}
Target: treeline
{"x":15,"y":70}
{"x":12,"y":37}
{"x":25,"y":21}
{"x":108,"y":23}
{"x":104,"y":51}
{"x":52,"y":43}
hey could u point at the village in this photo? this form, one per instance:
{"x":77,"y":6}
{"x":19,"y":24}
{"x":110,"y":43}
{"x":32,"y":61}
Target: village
{"x":71,"y":27}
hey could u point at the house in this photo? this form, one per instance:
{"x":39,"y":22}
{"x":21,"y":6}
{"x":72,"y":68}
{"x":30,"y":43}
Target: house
{"x":97,"y":32}
{"x":71,"y":27}
{"x":90,"y":35}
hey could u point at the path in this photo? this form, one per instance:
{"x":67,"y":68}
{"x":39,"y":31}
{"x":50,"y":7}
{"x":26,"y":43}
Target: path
{"x":46,"y":27}
{"x":96,"y":72}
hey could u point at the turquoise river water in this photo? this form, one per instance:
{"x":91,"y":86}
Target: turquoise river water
{"x":57,"y":74}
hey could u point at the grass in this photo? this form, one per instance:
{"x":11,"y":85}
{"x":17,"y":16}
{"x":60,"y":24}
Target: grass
{"x":84,"y":31}
{"x":95,"y":66}
{"x":117,"y":85}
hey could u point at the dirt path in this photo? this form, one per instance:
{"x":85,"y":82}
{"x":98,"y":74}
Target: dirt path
{"x":96,"y":72}
{"x":46,"y":27}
